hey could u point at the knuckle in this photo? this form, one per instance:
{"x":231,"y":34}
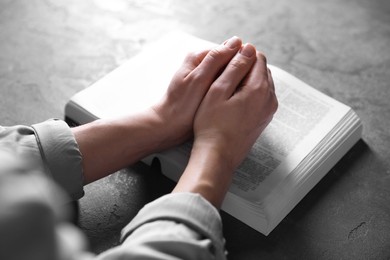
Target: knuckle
{"x":219,"y":86}
{"x":193,"y":58}
{"x":195,"y":76}
{"x":238,"y":63}
{"x":262,"y":86}
{"x":215,"y":54}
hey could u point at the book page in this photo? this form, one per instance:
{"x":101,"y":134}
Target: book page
{"x":303,"y":119}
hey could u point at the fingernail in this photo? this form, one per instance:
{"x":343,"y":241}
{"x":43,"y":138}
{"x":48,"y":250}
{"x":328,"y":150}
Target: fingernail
{"x":233,"y":42}
{"x":248,"y":50}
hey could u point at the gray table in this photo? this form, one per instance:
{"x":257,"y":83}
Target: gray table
{"x":49,"y":50}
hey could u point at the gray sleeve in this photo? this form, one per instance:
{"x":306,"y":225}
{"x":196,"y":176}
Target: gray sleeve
{"x":31,"y":214}
{"x":49,"y":148}
{"x":175,"y":226}
{"x":61,"y":155}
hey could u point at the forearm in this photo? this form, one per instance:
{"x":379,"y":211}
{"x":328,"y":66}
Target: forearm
{"x":208,"y":173}
{"x":108,"y":145}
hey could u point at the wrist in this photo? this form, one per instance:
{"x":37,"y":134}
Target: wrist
{"x":207,"y":173}
{"x":146,"y":133}
{"x":169,"y":130}
{"x":218,"y":146}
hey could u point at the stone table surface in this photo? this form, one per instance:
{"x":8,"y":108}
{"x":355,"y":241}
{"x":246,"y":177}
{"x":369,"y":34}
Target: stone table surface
{"x":51,"y":49}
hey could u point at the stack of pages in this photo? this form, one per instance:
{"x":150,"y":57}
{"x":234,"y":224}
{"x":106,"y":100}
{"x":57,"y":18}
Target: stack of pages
{"x":310,"y":131}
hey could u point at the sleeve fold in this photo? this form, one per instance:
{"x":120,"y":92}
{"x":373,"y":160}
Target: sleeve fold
{"x":61,"y":155}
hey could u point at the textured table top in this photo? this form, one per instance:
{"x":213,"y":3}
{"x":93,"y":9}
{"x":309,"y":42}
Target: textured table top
{"x":51,"y":49}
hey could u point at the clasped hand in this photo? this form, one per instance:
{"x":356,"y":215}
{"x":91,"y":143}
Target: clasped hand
{"x":224,"y":97}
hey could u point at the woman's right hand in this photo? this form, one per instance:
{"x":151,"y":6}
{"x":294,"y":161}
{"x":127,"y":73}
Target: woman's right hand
{"x":235,"y":110}
{"x":237,"y":107}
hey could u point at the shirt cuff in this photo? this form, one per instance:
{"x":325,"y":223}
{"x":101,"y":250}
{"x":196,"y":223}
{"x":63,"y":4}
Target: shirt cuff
{"x":189,"y":209}
{"x":61,"y":155}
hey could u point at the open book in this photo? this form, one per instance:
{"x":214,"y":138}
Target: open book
{"x":310,"y":131}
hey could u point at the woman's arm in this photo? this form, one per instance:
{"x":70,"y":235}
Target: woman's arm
{"x":109,"y":145}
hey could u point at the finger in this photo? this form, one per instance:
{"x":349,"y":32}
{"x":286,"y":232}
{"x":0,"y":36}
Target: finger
{"x":258,"y":74}
{"x":236,"y":70}
{"x":215,"y":60}
{"x":270,"y":79}
{"x":191,"y":61}
{"x":262,"y":63}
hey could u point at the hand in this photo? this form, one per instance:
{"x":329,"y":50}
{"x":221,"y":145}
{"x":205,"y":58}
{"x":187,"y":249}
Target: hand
{"x":188,"y":87}
{"x":236,"y":109}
